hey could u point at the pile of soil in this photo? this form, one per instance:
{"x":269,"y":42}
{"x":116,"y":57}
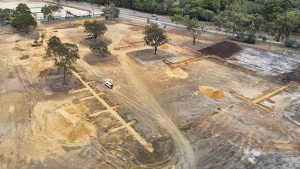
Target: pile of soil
{"x":198,"y":45}
{"x":53,"y":79}
{"x":164,"y":46}
{"x":94,"y":59}
{"x":61,"y":126}
{"x":211,"y":92}
{"x":223,"y":49}
{"x":24,"y":57}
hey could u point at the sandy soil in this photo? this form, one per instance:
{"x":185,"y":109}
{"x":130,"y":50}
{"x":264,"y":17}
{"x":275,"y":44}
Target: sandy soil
{"x":186,"y":111}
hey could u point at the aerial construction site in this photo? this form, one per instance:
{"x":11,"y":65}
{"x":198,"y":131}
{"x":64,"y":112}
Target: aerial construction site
{"x":218,"y":104}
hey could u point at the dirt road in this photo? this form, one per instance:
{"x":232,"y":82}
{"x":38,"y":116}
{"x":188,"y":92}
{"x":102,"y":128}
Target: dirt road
{"x":147,"y":104}
{"x":151,"y":108}
{"x":143,"y":100}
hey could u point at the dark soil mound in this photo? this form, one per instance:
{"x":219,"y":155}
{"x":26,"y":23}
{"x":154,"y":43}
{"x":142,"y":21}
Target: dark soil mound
{"x":223,"y":49}
{"x":148,"y":55}
{"x":54,"y":81}
{"x":24,"y":57}
{"x":94,"y":59}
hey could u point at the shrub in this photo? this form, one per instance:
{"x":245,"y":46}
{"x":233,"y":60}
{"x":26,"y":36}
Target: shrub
{"x":264,"y":39}
{"x":207,"y":15}
{"x":290,"y":43}
{"x":251,"y":38}
{"x":246,"y":37}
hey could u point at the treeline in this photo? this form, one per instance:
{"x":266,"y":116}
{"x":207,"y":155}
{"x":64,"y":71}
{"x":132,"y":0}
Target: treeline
{"x":245,"y":19}
{"x":276,"y":17}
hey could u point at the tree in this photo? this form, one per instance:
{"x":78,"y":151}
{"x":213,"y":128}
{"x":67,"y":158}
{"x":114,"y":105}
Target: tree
{"x":155,"y":36}
{"x":64,"y":54}
{"x":23,"y":20}
{"x":5,"y":15}
{"x":96,"y":28}
{"x":218,"y":21}
{"x":22,"y":8}
{"x":110,"y":12}
{"x":46,"y":10}
{"x":53,"y":48}
{"x":99,"y":46}
{"x":49,"y":10}
{"x":192,"y":25}
{"x":179,"y":19}
{"x":207,"y":15}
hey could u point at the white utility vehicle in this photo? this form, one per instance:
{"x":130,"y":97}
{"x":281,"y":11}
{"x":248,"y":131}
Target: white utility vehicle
{"x":109,"y":85}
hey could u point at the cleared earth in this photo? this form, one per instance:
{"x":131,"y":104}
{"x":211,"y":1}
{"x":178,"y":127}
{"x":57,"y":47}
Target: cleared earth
{"x":179,"y":109}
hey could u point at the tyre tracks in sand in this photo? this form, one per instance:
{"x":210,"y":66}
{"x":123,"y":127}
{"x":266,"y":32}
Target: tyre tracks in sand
{"x":147,"y":104}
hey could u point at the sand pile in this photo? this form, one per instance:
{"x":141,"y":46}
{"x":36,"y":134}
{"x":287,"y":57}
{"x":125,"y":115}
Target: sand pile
{"x":177,"y":73}
{"x":211,"y":92}
{"x":50,"y":131}
{"x":164,"y":46}
{"x":60,"y":125}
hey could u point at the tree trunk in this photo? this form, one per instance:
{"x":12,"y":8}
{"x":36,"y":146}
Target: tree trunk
{"x":277,"y":37}
{"x":155,"y":49}
{"x":64,"y":75}
{"x":194,"y":41}
{"x":194,"y":38}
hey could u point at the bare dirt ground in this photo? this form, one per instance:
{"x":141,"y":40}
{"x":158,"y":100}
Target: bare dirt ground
{"x":179,"y":109}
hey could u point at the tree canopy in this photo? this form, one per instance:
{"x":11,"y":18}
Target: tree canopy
{"x":5,"y":15}
{"x":96,"y":28}
{"x":23,"y":20}
{"x":155,"y":36}
{"x":192,"y":25}
{"x":64,"y":54}
{"x":110,"y":12}
{"x":22,"y":8}
{"x":49,"y":10}
{"x":99,"y":46}
{"x":278,"y":18}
